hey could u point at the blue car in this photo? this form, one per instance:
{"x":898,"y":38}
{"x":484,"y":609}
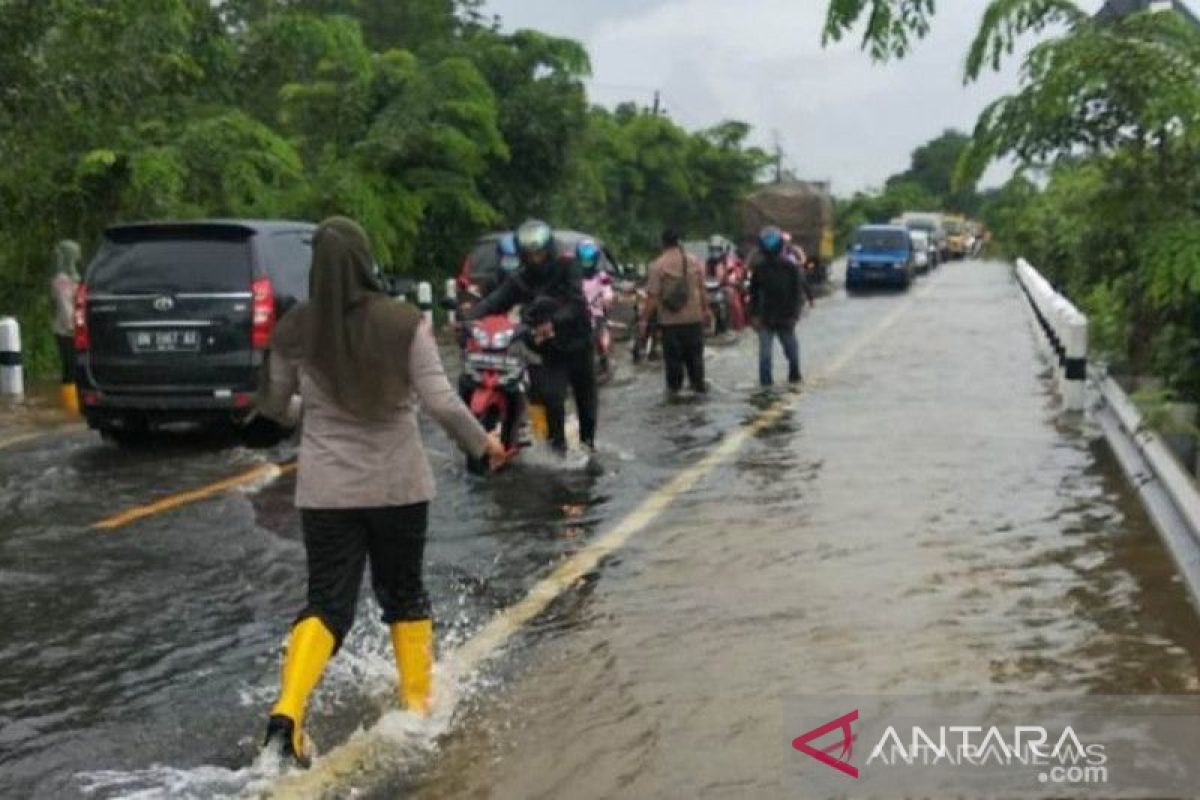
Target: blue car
{"x":881,"y":255}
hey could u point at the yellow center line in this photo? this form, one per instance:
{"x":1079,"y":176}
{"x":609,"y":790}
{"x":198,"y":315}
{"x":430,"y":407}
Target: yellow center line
{"x":30,"y":436}
{"x":18,"y":439}
{"x":362,"y":753}
{"x":174,"y":501}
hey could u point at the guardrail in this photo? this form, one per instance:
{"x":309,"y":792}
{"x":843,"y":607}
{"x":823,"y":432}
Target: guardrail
{"x":1167,"y":491}
{"x":1066,"y":330}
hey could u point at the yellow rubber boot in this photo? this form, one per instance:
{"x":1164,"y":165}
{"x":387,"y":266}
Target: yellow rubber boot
{"x":538,"y":422}
{"x":413,"y":643}
{"x":68,"y":398}
{"x":309,"y":649}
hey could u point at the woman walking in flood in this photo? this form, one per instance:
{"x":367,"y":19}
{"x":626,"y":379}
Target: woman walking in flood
{"x":361,"y":363}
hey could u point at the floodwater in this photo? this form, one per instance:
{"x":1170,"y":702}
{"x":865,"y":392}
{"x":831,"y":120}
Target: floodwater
{"x":920,"y":519}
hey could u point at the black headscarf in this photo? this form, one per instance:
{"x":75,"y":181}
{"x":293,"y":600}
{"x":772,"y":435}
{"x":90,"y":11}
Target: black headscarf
{"x":352,"y":339}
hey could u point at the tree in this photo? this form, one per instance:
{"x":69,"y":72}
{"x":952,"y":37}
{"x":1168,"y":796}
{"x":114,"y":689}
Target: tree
{"x":933,"y":168}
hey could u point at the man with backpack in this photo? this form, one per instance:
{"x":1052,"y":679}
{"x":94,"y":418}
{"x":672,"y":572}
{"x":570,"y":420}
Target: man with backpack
{"x":675,"y":289}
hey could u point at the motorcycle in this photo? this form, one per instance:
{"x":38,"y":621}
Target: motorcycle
{"x":599,"y":293}
{"x":494,"y":380}
{"x":738,"y":280}
{"x":728,"y":297}
{"x":718,"y":304}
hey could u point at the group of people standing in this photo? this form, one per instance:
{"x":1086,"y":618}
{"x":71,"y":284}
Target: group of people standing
{"x":362,"y":364}
{"x":677,"y":296}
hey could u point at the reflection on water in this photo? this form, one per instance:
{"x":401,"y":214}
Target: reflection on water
{"x":920,"y":521}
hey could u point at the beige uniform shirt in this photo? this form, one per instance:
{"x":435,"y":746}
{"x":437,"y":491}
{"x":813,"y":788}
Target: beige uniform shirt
{"x":671,"y":263}
{"x":346,"y":462}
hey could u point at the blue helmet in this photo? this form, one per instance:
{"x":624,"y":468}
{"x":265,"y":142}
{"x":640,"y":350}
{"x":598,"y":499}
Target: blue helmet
{"x":587,"y":253}
{"x":506,"y":252}
{"x":770,"y":239}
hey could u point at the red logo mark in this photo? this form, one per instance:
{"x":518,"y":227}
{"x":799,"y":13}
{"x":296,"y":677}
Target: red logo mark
{"x":840,"y":762}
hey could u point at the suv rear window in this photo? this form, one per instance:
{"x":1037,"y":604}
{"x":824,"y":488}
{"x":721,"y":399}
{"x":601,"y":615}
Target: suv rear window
{"x":289,"y":259}
{"x":160,"y":263}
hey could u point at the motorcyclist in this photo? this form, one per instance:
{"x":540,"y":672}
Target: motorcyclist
{"x":716,"y":267}
{"x":598,"y":288}
{"x":724,"y":267}
{"x":550,"y":291}
{"x":597,"y":284}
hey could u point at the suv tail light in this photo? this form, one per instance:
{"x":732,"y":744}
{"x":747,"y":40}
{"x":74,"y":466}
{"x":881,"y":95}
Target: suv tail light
{"x":262,"y":313}
{"x":83,"y":339}
{"x":463,"y":279}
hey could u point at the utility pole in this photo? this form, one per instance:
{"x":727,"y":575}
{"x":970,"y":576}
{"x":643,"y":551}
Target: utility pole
{"x":778,"y":158}
{"x":657,"y":103}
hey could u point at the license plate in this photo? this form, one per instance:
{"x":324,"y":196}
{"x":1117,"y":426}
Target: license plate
{"x":496,"y":362}
{"x":185,"y":341}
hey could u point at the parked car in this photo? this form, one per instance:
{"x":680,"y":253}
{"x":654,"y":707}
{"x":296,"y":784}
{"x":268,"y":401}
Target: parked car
{"x":923,"y":255}
{"x":173,"y":319}
{"x":880,"y":255}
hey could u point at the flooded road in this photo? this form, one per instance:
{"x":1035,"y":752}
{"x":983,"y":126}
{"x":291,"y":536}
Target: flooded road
{"x":920,"y":519}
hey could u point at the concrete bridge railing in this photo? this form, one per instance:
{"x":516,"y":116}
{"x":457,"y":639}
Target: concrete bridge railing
{"x":1065,"y":327}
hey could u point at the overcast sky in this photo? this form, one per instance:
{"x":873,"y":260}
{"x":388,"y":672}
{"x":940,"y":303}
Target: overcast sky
{"x":838,"y":115}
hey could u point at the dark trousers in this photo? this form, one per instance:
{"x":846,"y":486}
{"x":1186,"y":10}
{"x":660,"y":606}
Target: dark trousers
{"x":791,"y":350}
{"x":683,"y":351}
{"x":339,"y":542}
{"x":548,"y":385}
{"x":66,"y":357}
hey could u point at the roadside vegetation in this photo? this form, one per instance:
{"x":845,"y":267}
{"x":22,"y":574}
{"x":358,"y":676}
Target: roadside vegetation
{"x":1105,"y":129}
{"x":422,"y":119}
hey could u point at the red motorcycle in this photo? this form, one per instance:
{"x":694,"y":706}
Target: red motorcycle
{"x":494,"y":379}
{"x":737,"y":282}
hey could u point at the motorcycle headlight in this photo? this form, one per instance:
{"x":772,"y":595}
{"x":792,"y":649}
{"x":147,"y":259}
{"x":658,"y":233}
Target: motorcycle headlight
{"x":502,"y":340}
{"x":481,"y":337}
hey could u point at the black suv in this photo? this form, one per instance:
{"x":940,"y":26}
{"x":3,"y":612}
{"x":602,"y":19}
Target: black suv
{"x":173,"y":319}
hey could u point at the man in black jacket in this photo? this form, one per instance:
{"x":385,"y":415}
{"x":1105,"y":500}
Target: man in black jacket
{"x":550,"y":292}
{"x":777,"y":291}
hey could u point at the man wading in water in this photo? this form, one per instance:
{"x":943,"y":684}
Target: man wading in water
{"x":361,"y":363}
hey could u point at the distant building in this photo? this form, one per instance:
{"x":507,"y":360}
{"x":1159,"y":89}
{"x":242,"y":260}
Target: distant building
{"x":1116,"y":9}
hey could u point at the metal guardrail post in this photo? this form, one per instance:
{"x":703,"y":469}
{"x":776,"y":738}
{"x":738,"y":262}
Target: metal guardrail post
{"x":425,"y":300}
{"x":12,"y":376}
{"x":451,"y":295}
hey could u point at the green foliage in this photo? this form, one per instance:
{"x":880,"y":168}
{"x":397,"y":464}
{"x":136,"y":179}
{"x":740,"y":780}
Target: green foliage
{"x":1004,"y":21}
{"x":419,"y":118}
{"x":891,"y":27}
{"x":924,"y":186}
{"x":1109,"y":113}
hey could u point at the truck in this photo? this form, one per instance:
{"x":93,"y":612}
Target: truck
{"x":956,"y":235}
{"x":803,"y":209}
